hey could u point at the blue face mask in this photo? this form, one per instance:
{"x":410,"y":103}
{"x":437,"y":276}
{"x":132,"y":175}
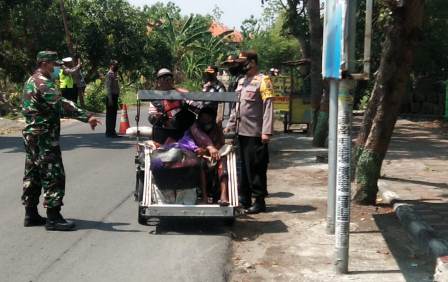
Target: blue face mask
{"x":55,"y":73}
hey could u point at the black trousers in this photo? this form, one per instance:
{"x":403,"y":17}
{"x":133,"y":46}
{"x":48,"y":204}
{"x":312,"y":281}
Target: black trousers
{"x":70,"y":94}
{"x":111,"y":114}
{"x":254,"y":157}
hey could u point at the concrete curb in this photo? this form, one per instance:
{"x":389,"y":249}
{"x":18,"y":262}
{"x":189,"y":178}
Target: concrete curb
{"x":421,"y":232}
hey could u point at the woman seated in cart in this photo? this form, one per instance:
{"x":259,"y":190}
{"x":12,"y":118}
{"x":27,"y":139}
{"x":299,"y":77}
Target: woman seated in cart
{"x":206,"y":123}
{"x":205,"y":138}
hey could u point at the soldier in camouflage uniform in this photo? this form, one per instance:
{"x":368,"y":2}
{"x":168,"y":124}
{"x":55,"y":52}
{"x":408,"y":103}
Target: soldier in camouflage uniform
{"x":43,"y":106}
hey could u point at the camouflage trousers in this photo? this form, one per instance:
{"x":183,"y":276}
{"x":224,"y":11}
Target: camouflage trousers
{"x":43,"y":171}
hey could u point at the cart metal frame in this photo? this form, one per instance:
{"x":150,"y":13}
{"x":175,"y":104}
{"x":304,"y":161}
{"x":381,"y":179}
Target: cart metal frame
{"x":148,"y":208}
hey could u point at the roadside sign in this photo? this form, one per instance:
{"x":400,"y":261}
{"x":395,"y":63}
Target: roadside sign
{"x":334,"y":24}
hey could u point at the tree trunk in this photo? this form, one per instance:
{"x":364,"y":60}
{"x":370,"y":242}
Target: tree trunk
{"x":390,"y":86}
{"x":68,"y":36}
{"x":320,"y":118}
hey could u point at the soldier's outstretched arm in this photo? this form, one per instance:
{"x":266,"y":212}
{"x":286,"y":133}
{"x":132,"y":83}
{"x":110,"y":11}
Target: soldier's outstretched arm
{"x":71,"y":110}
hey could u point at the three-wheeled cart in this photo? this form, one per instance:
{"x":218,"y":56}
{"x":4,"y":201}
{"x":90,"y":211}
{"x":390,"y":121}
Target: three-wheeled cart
{"x":151,"y":198}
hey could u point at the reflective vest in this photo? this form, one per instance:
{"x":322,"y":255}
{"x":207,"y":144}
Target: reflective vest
{"x":65,"y":80}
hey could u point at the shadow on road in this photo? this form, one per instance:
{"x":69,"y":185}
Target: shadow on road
{"x":290,"y":208}
{"x":82,"y":224}
{"x":190,"y":226}
{"x":14,"y":144}
{"x":282,"y":195}
{"x":249,"y":228}
{"x":418,"y":182}
{"x":414,"y":264}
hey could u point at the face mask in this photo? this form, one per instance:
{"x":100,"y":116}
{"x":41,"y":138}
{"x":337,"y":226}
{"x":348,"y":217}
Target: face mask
{"x":207,"y":127}
{"x":246,"y":67}
{"x":209,"y":77}
{"x":236,"y":70}
{"x":114,"y":68}
{"x":55,"y":73}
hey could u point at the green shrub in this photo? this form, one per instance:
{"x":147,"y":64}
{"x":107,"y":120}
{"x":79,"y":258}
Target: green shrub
{"x":191,"y":85}
{"x":95,"y":97}
{"x":128,"y":95}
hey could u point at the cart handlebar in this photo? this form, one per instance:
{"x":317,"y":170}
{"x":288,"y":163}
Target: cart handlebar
{"x":153,"y":95}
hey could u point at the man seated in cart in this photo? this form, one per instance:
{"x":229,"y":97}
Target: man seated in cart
{"x":170,"y":119}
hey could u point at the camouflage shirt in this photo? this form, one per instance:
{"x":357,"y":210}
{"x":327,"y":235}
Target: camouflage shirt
{"x":43,"y":106}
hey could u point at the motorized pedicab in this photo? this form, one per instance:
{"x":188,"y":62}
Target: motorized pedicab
{"x":173,"y":193}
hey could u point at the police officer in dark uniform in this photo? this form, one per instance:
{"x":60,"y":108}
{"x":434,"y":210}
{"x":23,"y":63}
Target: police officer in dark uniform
{"x":255,"y":128}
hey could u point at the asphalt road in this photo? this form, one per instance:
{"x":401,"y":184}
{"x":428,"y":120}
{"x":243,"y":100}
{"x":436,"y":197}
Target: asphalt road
{"x":109,"y":244}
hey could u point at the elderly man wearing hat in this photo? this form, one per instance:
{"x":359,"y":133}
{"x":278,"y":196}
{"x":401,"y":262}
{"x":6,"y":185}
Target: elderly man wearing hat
{"x":254,"y":127}
{"x":67,"y":82}
{"x":170,"y":119}
{"x":43,"y":106}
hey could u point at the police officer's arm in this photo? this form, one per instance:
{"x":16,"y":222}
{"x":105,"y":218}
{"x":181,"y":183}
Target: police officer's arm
{"x":108,"y":84}
{"x":267,"y":93}
{"x":67,"y":70}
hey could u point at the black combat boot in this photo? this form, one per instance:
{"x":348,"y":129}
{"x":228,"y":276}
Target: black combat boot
{"x":56,"y":222}
{"x":32,"y":217}
{"x":258,"y":206}
{"x":244,"y":202}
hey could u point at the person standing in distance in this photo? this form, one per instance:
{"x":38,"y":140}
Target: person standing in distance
{"x":43,"y":106}
{"x":113,"y":92}
{"x":67,"y":82}
{"x":255,"y":128}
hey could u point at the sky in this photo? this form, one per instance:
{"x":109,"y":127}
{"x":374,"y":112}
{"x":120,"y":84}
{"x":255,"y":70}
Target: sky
{"x":234,"y":11}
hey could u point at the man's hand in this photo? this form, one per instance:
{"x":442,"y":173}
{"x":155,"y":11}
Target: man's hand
{"x":265,"y":138}
{"x":214,"y":153}
{"x":93,"y":122}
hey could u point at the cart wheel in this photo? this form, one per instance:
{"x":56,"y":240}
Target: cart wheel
{"x":139,"y":182}
{"x":229,"y":221}
{"x":141,"y":219}
{"x":305,"y":131}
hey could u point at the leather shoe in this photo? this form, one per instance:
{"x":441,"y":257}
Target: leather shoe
{"x":257,"y":207}
{"x":32,"y":217}
{"x":56,"y":222}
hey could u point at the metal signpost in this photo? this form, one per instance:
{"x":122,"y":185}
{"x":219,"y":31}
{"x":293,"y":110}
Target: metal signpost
{"x":331,"y":69}
{"x":338,"y":65}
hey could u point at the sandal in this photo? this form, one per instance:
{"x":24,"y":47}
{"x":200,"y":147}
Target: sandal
{"x":223,"y":203}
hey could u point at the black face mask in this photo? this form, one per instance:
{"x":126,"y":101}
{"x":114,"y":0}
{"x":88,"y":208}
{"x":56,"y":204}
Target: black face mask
{"x":114,"y":68}
{"x":206,"y":127}
{"x":246,"y":67}
{"x":209,"y":77}
{"x":236,"y":70}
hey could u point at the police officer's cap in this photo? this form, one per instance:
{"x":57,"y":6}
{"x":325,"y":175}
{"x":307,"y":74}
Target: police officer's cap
{"x":231,"y":59}
{"x":164,"y":72}
{"x":211,"y":70}
{"x":247,"y":56}
{"x":48,"y":56}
